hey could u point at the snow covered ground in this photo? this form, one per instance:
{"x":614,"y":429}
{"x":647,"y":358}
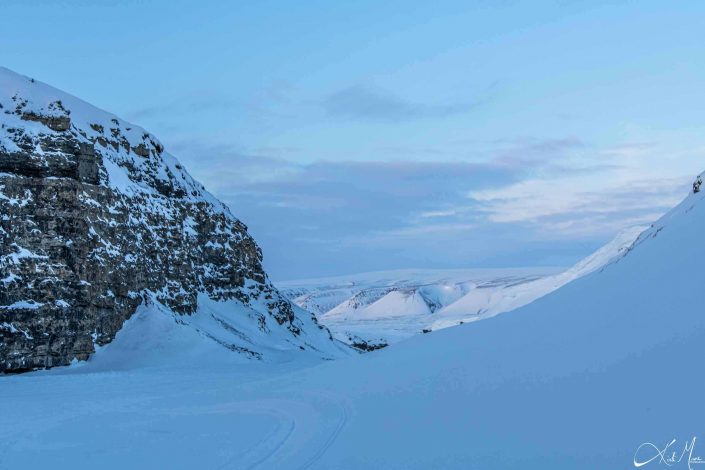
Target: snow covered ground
{"x":388,"y":306}
{"x":598,"y":374}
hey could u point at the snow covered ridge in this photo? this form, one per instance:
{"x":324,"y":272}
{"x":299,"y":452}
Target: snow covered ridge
{"x":95,"y":214}
{"x":375,"y":309}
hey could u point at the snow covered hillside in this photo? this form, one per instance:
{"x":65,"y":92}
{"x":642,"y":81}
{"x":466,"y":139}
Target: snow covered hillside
{"x":373,"y":309}
{"x":599,"y":374}
{"x":379,"y":308}
{"x":97,"y":218}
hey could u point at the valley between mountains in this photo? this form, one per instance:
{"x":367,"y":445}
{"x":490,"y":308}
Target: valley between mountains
{"x":139,"y":329}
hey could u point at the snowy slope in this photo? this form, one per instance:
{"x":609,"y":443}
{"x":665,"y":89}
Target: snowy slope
{"x":155,"y":336}
{"x":481,"y":303}
{"x":578,"y":379}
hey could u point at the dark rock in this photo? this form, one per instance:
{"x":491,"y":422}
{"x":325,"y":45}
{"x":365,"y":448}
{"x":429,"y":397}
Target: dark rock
{"x":141,"y":150}
{"x":55,"y":123}
{"x":366,"y":345}
{"x":86,"y":232}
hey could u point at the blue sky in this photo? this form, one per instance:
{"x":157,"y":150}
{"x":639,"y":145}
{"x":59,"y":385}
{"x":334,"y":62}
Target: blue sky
{"x":354,"y":136}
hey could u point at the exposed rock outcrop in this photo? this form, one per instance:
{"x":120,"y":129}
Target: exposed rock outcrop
{"x":94,"y":214}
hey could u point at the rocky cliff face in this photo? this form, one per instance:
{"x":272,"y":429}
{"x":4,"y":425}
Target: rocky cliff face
{"x":94,"y":216}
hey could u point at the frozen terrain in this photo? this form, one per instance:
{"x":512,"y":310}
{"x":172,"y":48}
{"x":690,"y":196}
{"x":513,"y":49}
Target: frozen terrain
{"x":578,"y":379}
{"x":378,"y":308}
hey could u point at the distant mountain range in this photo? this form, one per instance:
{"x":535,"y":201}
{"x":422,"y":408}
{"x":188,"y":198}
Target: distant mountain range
{"x":370,"y":310}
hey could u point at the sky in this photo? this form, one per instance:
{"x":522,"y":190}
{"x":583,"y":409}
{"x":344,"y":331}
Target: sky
{"x":362,"y":135}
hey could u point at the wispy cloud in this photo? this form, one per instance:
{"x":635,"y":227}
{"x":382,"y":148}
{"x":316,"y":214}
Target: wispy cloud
{"x":577,"y":207}
{"x":197,"y":103}
{"x":368,"y":103}
{"x":527,"y":151}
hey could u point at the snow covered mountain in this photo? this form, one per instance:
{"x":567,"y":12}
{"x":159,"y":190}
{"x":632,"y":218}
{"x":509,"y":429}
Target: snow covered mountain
{"x":371,"y":310}
{"x":600,"y":374}
{"x":379,"y":308}
{"x":98,"y":218}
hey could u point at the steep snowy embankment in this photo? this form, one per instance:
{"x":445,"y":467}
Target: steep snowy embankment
{"x":480,"y":304}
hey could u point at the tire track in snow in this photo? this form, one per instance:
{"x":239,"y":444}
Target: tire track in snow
{"x":295,"y":431}
{"x":342,"y":422}
{"x":267,"y":447}
{"x":266,"y":454}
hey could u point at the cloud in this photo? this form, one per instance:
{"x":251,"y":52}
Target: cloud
{"x":366,"y":103}
{"x":526,"y":151}
{"x":203,"y":103}
{"x":344,"y":215}
{"x":354,"y":197}
{"x":576,"y":206}
{"x":222,"y":166}
{"x":630,"y":150}
{"x":530,"y":201}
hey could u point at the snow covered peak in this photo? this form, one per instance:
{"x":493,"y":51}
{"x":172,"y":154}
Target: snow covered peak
{"x":134,"y":159}
{"x":676,"y":215}
{"x":27,"y":98}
